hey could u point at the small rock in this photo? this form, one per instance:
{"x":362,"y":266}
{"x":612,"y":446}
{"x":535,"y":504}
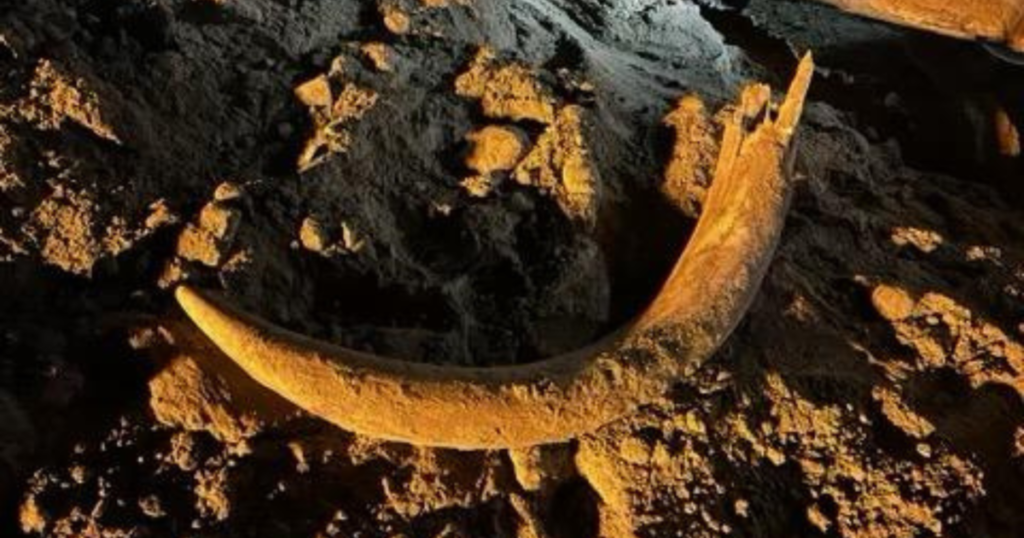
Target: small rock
{"x":315,"y":92}
{"x":495,"y":149}
{"x":227,"y":192}
{"x":184,"y":396}
{"x":160,"y":215}
{"x":477,"y":186}
{"x":78,"y":474}
{"x":313,"y":236}
{"x":301,"y":465}
{"x":893,"y":304}
{"x":219,"y":220}
{"x":173,"y":273}
{"x":506,"y":91}
{"x":152,"y":507}
{"x":742,"y":508}
{"x":817,"y":518}
{"x":1007,"y":135}
{"x":31,"y":517}
{"x":395,"y":20}
{"x":350,"y":240}
{"x":198,"y":246}
{"x":379,"y":55}
{"x":209,"y":240}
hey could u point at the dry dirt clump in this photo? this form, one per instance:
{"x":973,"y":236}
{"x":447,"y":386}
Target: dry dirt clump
{"x":206,"y":241}
{"x":560,"y":165}
{"x":62,"y":98}
{"x":505,"y":90}
{"x":686,"y":176}
{"x":68,"y":231}
{"x":945,"y":334}
{"x":379,"y":54}
{"x":495,"y":149}
{"x":330,"y":115}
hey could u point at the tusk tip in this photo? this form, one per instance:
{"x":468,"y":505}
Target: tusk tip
{"x":187,"y":296}
{"x":199,"y":307}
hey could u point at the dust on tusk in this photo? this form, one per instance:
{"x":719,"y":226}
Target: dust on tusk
{"x":568,"y":395}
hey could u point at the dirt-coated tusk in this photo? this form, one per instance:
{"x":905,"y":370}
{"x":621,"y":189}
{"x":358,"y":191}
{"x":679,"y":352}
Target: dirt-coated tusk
{"x":995,"y":21}
{"x":702,"y":301}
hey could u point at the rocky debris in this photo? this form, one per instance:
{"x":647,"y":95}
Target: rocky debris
{"x":900,"y":414}
{"x":151,"y":507}
{"x":688,"y":174}
{"x":208,"y":240}
{"x":61,"y":97}
{"x":560,"y":165}
{"x":212,"y":499}
{"x":495,"y":148}
{"x":379,"y":54}
{"x":315,"y":237}
{"x":31,"y":518}
{"x":161,"y":215}
{"x":478,"y":186}
{"x":69,"y":231}
{"x":198,"y":390}
{"x":330,"y":115}
{"x":315,"y":92}
{"x":228,"y":192}
{"x":66,"y":231}
{"x":892,"y":303}
{"x":507,"y":91}
{"x":396,"y":20}
{"x":1008,"y":140}
{"x":945,"y":334}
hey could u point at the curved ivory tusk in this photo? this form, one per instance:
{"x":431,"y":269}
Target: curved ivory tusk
{"x":996,"y":21}
{"x":704,"y":298}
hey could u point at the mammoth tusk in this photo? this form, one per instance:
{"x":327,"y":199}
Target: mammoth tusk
{"x":993,"y":21}
{"x":704,"y":298}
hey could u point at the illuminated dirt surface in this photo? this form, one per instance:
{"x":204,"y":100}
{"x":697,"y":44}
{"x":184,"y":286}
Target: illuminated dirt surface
{"x":484,"y":184}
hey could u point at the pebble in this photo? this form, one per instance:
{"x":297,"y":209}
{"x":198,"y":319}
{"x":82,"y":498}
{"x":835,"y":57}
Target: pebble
{"x":209,"y":240}
{"x":312,"y":235}
{"x":315,"y":92}
{"x":892,"y":303}
{"x":227,"y":191}
{"x":495,"y":148}
{"x":395,"y":20}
